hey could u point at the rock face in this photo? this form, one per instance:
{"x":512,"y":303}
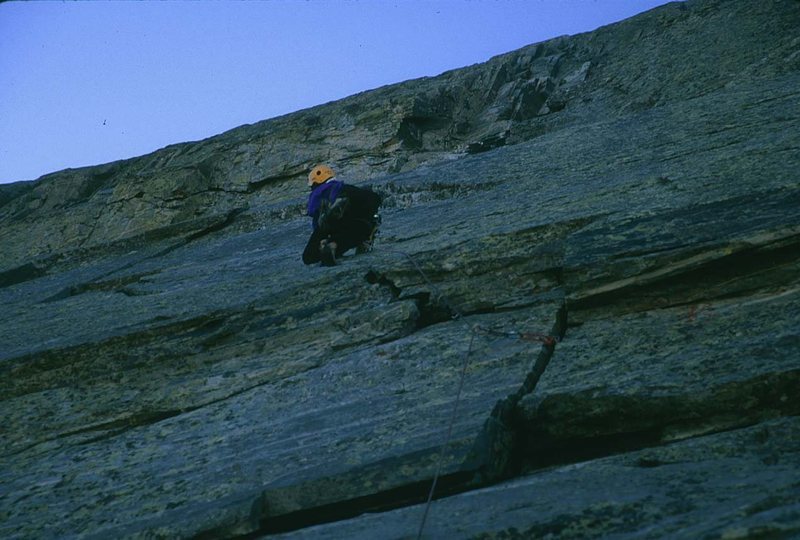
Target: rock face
{"x":595,"y":239}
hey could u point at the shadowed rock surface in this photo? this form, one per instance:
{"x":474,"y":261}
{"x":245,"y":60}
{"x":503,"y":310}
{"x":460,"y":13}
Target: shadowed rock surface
{"x":604,"y":229}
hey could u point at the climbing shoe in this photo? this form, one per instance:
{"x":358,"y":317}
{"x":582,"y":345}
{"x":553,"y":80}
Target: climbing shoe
{"x":364,"y":247}
{"x":327,"y":253}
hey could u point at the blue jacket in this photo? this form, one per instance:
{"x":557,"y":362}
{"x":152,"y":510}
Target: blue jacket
{"x":327,"y":191}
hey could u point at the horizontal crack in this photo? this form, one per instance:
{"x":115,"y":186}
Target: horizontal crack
{"x":382,"y":501}
{"x":579,"y":427}
{"x":114,"y":428}
{"x":112,"y":285}
{"x":117,"y":284}
{"x":22,"y":273}
{"x":716,"y":274}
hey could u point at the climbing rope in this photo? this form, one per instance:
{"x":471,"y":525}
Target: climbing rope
{"x":456,"y":314}
{"x":447,"y":438}
{"x":524,"y":336}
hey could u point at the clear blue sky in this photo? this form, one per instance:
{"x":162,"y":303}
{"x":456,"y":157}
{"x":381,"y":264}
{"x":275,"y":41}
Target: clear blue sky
{"x":84,"y":83}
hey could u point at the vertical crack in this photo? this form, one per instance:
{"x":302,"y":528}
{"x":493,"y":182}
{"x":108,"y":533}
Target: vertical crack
{"x":496,"y":452}
{"x":374,"y":278}
{"x":433,"y":307}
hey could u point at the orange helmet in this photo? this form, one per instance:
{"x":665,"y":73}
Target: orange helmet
{"x":319,"y":174}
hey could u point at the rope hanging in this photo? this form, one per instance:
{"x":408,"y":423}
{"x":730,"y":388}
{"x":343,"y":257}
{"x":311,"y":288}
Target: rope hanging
{"x":536,"y":337}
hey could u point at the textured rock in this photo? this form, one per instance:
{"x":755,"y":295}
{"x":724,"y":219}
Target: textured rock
{"x":600,"y":231}
{"x":676,"y":53}
{"x":707,"y":487}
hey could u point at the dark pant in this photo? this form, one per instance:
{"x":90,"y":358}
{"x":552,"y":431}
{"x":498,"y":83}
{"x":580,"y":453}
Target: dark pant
{"x":348,"y":234}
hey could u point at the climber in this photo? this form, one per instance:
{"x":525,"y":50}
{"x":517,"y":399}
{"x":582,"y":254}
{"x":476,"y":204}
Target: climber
{"x":343,"y":217}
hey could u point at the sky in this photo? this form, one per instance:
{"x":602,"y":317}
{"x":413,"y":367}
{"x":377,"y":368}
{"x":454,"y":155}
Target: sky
{"x":86,"y":83}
